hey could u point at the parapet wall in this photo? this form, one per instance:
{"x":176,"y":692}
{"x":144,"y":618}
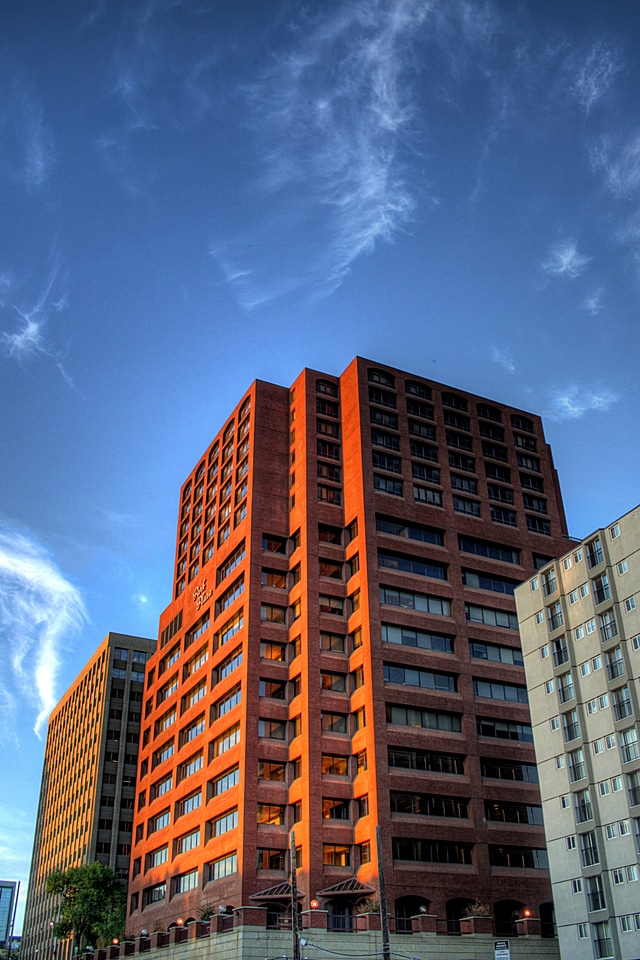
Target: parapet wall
{"x":220,"y":940}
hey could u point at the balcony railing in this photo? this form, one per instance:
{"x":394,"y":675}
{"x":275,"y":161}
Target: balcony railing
{"x":594,"y":557}
{"x":555,"y":620}
{"x":571,"y":732}
{"x":595,"y":900}
{"x":590,"y":856}
{"x":566,"y":692}
{"x":615,"y":669}
{"x":634,"y":796}
{"x":629,"y":751}
{"x":584,"y":812}
{"x":560,"y":656}
{"x":608,"y":631}
{"x":601,"y":594}
{"x":603,"y":948}
{"x":576,"y":772}
{"x":549,"y":586}
{"x":622,"y":709}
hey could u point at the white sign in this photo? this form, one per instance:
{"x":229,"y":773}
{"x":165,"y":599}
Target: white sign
{"x":501,"y":950}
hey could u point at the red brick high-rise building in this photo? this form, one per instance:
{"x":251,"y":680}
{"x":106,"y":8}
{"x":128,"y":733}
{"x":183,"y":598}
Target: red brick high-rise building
{"x":341,"y":651}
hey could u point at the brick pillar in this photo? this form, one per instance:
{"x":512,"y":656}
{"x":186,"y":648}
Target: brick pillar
{"x":314,"y":919}
{"x":528,"y":927}
{"x":424,"y":923}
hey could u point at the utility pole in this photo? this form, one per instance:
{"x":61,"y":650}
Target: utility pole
{"x":294,"y":898}
{"x":384,"y":916}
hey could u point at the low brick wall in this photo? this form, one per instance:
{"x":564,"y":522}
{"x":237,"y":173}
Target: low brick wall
{"x":247,"y":941}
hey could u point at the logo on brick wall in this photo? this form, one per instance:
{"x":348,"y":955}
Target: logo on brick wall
{"x":201,"y":594}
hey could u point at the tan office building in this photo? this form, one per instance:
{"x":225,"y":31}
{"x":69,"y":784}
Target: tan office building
{"x":88,"y":781}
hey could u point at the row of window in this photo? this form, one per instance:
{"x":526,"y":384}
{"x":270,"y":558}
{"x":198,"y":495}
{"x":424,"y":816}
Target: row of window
{"x":442,"y":851}
{"x":449,"y":399}
{"x":195,"y":549}
{"x":465,"y":505}
{"x":426,"y":431}
{"x":462,"y":461}
{"x":339,"y":855}
{"x":336,"y":682}
{"x":583,"y":807}
{"x":332,"y":722}
{"x":327,"y":449}
{"x":452,"y":723}
{"x":600,"y":585}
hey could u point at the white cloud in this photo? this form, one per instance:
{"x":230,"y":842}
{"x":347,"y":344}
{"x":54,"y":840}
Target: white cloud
{"x":593,"y":74}
{"x":593,"y":302}
{"x":573,"y":401}
{"x":40,"y":610}
{"x":28,"y":340}
{"x":564,"y":260}
{"x":620,"y":164}
{"x":29,"y":315}
{"x":504,"y":359}
{"x":333,"y":114}
{"x":335,"y":117}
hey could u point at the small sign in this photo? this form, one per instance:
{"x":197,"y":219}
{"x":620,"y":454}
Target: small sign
{"x":501,"y":950}
{"x":201,"y":594}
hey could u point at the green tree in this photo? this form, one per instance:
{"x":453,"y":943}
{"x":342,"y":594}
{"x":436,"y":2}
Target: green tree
{"x":93,"y":904}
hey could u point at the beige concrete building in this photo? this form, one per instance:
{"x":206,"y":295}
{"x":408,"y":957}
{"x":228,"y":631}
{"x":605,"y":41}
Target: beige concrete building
{"x":88,"y":780}
{"x":580,"y":627}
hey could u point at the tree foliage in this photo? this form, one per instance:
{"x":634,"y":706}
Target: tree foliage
{"x":93,"y":904}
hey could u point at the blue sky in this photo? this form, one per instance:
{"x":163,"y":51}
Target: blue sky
{"x":196,"y":193}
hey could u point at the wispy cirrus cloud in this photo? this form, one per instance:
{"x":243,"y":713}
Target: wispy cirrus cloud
{"x":28,"y":315}
{"x":40,"y":610}
{"x":618,"y":160}
{"x":333,"y":112}
{"x":593,"y":302}
{"x":573,"y":401}
{"x":592,"y":72}
{"x":28,"y":153}
{"x":164,"y":75}
{"x":564,"y":260}
{"x":503,"y":358}
{"x":337,"y":124}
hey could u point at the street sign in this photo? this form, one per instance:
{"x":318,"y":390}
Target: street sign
{"x":501,"y":950}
